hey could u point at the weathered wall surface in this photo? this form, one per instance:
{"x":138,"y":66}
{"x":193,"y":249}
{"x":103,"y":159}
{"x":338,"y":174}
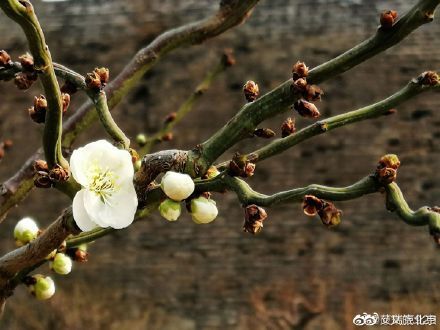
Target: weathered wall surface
{"x":296,"y":274}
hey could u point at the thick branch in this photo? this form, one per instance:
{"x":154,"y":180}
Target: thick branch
{"x":278,"y":100}
{"x":23,"y":13}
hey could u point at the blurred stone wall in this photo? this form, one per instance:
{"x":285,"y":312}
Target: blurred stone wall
{"x":295,"y":274}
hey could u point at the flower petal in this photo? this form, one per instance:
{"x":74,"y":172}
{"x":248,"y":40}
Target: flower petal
{"x":80,"y":215}
{"x":117,"y":211}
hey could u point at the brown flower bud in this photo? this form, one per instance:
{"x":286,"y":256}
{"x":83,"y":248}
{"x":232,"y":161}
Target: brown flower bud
{"x":40,"y":166}
{"x":312,"y":205}
{"x":429,"y":78}
{"x":228,"y":58}
{"x":313,"y":93}
{"x":254,"y":216}
{"x":329,"y":214}
{"x":134,"y":155}
{"x":27,"y":62}
{"x":288,"y":127}
{"x":167,"y":137}
{"x":242,"y":166}
{"x":23,"y":80}
{"x":170,"y":117}
{"x":299,"y":86}
{"x":5,"y":59}
{"x":251,"y":91}
{"x":59,"y":174}
{"x":265,"y":133}
{"x":40,"y":102}
{"x":38,"y":116}
{"x":389,"y":160}
{"x":8,"y":143}
{"x":299,"y":70}
{"x":386,"y":175}
{"x":2,"y":152}
{"x":42,"y":180}
{"x":65,"y":99}
{"x":388,"y":18}
{"x":68,"y":88}
{"x":77,"y":254}
{"x":306,"y":109}
{"x":103,"y":74}
{"x":93,"y":81}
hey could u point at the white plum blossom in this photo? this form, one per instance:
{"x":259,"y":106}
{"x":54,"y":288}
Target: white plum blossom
{"x":44,"y":287}
{"x":170,"y":209}
{"x":203,"y":210}
{"x":177,"y":186}
{"x":25,"y":231}
{"x":107,"y":197}
{"x":61,"y":264}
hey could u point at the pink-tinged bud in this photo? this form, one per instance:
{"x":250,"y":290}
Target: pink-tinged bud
{"x":299,"y":70}
{"x":288,"y":127}
{"x":254,"y":216}
{"x":167,"y":137}
{"x":40,"y":166}
{"x":5,"y":59}
{"x":242,"y":166}
{"x":170,"y":117}
{"x":65,"y":100}
{"x":8,"y":143}
{"x":251,"y":91}
{"x":306,"y":109}
{"x":329,"y":214}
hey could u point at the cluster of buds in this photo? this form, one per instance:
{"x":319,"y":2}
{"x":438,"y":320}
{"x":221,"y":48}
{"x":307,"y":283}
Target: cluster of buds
{"x":251,"y":91}
{"x":308,"y":92}
{"x":25,"y":231}
{"x":254,"y":216}
{"x":429,"y":78}
{"x":386,"y":171}
{"x":288,"y":127}
{"x":387,"y":19}
{"x":5,"y":145}
{"x":46,"y":177}
{"x":79,"y":253}
{"x":97,"y":79}
{"x":242,"y":165}
{"x":329,"y":214}
{"x":265,"y":133}
{"x":28,"y":76}
{"x":40,"y":286}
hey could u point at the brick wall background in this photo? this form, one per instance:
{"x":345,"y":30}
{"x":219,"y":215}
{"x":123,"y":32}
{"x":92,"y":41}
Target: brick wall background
{"x":296,"y":274}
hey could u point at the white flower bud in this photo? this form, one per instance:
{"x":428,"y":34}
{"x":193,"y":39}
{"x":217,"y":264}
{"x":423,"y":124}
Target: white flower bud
{"x":25,"y":231}
{"x":170,"y":209}
{"x":61,"y":264}
{"x":203,"y":210}
{"x":44,"y":287}
{"x":177,"y":186}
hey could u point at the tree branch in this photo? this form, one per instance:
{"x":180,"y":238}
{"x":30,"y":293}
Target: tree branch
{"x":23,"y":13}
{"x":278,"y":100}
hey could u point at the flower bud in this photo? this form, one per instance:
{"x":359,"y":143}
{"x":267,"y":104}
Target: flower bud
{"x":8,"y":143}
{"x":254,"y":216}
{"x":311,"y":205}
{"x":103,"y":74}
{"x":27,"y":62}
{"x":68,"y":88}
{"x":387,"y":18}
{"x":2,"y":152}
{"x":79,"y":253}
{"x":25,"y":231}
{"x":5,"y":59}
{"x":61,"y":264}
{"x":329,"y":214}
{"x":288,"y":127}
{"x":59,"y":174}
{"x":429,"y":78}
{"x":93,"y":81}
{"x":167,"y":137}
{"x":170,"y":209}
{"x":38,"y":111}
{"x":299,"y":86}
{"x":228,"y":58}
{"x":65,"y":100}
{"x":313,"y":93}
{"x":177,"y":186}
{"x":386,"y":170}
{"x":299,"y":70}
{"x":203,"y":210}
{"x":306,"y":109}
{"x":170,"y":117}
{"x":141,"y":139}
{"x":43,"y":287}
{"x":251,"y":91}
{"x":211,"y":173}
{"x":23,"y":80}
{"x":265,"y":133}
{"x":389,"y":160}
